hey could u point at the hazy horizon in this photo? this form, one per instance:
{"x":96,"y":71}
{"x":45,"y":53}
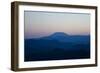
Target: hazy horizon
{"x":40,"y":24}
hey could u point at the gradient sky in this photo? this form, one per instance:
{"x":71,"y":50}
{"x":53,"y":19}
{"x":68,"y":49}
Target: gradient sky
{"x":39,"y":24}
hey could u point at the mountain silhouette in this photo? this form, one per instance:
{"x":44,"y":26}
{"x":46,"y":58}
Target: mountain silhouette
{"x":63,"y":37}
{"x":59,"y":35}
{"x":57,"y":46}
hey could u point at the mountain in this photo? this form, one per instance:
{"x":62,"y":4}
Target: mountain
{"x":57,"y":46}
{"x":63,"y":37}
{"x":59,"y":35}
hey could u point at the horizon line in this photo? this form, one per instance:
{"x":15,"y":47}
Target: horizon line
{"x":57,"y":32}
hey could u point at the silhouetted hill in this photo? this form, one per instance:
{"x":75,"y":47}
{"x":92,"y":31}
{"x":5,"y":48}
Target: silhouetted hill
{"x":63,"y":37}
{"x":59,"y":35}
{"x":57,"y":46}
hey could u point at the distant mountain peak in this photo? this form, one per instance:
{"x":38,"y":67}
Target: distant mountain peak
{"x":59,"y":34}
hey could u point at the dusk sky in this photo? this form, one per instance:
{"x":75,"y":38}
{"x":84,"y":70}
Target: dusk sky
{"x":39,"y":24}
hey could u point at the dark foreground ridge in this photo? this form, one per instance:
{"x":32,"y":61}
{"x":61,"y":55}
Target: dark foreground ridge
{"x":58,"y":46}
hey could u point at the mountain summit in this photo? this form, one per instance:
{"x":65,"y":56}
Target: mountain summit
{"x":59,"y":34}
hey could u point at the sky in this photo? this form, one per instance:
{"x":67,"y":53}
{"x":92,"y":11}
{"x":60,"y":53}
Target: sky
{"x":39,"y":24}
